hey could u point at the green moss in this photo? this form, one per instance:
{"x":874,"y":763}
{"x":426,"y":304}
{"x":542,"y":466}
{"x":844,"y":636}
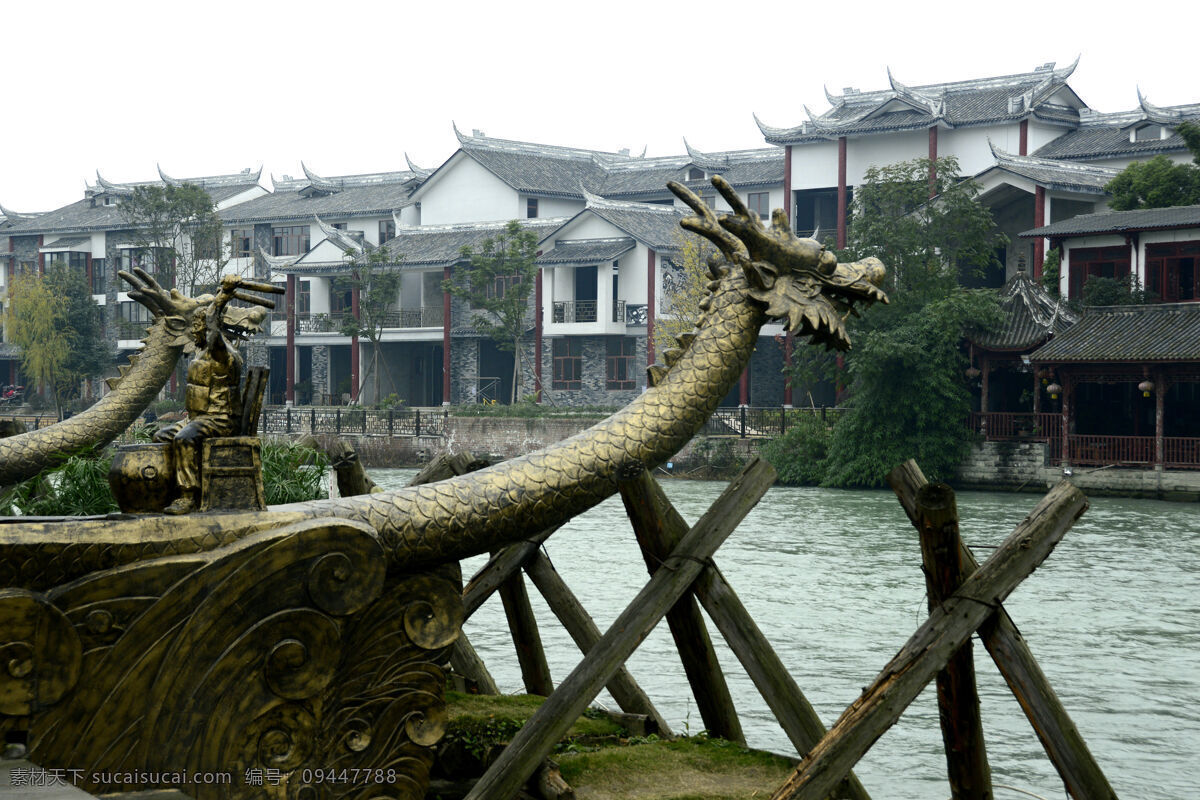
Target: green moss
{"x":696,"y":768}
{"x":479,"y":721}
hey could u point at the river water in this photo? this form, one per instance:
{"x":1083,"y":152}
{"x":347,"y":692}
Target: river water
{"x":833,"y":579}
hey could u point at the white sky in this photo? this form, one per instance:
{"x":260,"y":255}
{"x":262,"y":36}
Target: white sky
{"x":212,"y":87}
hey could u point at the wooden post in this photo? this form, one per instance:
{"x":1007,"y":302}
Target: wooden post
{"x":785,"y":699}
{"x":583,"y":631}
{"x":930,"y":648}
{"x":958,"y":701}
{"x":686,"y":623}
{"x":1059,"y":737}
{"x":466,"y":662}
{"x":499,"y":568}
{"x":535,"y":672}
{"x":551,"y":722}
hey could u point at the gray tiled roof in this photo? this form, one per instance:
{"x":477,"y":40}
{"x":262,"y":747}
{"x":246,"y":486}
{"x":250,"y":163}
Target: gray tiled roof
{"x":1067,"y":175}
{"x":432,"y":246}
{"x":1107,"y":135}
{"x":957,"y":104}
{"x":83,"y":216}
{"x":287,"y":203}
{"x":1144,"y":219}
{"x":656,"y":226}
{"x":585,"y":251}
{"x":1163,"y":332}
{"x":1031,"y":316}
{"x":66,"y":241}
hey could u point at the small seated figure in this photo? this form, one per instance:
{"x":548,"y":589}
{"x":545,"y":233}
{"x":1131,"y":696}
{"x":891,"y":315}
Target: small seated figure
{"x":213,"y":400}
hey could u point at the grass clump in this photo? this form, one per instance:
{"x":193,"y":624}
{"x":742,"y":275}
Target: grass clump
{"x":478,"y":722}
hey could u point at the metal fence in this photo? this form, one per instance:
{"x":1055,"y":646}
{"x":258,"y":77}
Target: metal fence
{"x":284,"y":420}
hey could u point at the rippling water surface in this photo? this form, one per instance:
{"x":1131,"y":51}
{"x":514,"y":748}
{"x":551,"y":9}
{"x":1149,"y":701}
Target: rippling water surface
{"x":833,"y":579}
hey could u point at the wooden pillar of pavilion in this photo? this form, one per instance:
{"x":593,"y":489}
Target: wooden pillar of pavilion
{"x":1160,"y":400}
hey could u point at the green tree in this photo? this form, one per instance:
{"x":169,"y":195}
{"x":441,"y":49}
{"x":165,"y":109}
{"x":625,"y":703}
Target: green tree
{"x":59,"y":329}
{"x":177,"y":226}
{"x":1190,"y":131}
{"x":1157,"y":183}
{"x":906,"y":391}
{"x":497,"y":281}
{"x":377,"y":280}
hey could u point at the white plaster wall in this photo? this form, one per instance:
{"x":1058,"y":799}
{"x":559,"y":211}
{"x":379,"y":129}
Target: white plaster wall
{"x":99,"y":241}
{"x":318,"y":298}
{"x":586,"y":226}
{"x":814,"y":166}
{"x":467,"y":192}
{"x":241,"y":197}
{"x":410,"y":216}
{"x":548,"y":207}
{"x":970,"y":145}
{"x":879,"y":151}
{"x":1041,"y":134}
{"x":632,"y":269}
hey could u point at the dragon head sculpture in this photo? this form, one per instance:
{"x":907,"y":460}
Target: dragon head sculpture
{"x":796,"y":279}
{"x":185,"y":317}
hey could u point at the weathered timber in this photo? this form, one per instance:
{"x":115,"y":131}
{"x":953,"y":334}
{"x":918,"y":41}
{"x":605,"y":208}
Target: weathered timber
{"x":499,"y":568}
{"x":447,"y":465}
{"x":583,"y":631}
{"x":948,"y":626}
{"x":695,"y":648}
{"x":958,"y":701}
{"x":1065,"y":747}
{"x":787,"y":702}
{"x":352,"y":477}
{"x":535,"y":671}
{"x":551,"y":722}
{"x":466,"y":662}
{"x":549,"y":783}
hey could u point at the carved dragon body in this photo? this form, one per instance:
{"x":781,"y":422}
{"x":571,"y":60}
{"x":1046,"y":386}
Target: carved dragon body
{"x":764,"y":273}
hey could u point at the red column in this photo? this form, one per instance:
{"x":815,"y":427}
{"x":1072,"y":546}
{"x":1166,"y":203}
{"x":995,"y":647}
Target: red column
{"x":744,"y":387}
{"x":537,"y":337}
{"x":787,"y":185}
{"x":289,"y":300}
{"x":88,"y":271}
{"x":1066,"y":417}
{"x":445,"y":339}
{"x":650,"y":303}
{"x":788,"y":344}
{"x":1024,"y":140}
{"x":1039,"y":219}
{"x":1160,"y":393}
{"x":41,"y":255}
{"x":933,"y":160}
{"x":353,"y":348}
{"x":841,"y":197}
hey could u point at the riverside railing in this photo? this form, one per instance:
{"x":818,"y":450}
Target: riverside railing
{"x":352,"y":420}
{"x":750,"y":422}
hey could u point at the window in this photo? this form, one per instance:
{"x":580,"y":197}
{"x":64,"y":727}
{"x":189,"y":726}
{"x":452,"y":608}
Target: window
{"x":621,"y":370}
{"x":303,"y":297}
{"x":99,"y":276}
{"x":531,"y":208}
{"x":695,"y":174}
{"x":155,"y":260}
{"x":568,"y":364}
{"x":816,"y":211}
{"x":73,"y":260}
{"x":290,"y":241}
{"x":341,"y":296}
{"x":499,"y":286}
{"x":1087,"y":262}
{"x":760,"y":203}
{"x":1173,"y":271}
{"x":387,"y":230}
{"x":240,"y":242}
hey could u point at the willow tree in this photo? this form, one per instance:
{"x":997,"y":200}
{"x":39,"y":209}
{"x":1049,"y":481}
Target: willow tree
{"x":59,"y":330}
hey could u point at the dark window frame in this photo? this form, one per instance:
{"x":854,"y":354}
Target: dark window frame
{"x":290,"y":240}
{"x":567,"y":355}
{"x":1111,"y":261}
{"x":621,"y":358}
{"x":531,"y":208}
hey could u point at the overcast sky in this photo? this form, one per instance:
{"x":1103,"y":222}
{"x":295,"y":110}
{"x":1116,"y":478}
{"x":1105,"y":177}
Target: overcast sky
{"x":211,"y":87}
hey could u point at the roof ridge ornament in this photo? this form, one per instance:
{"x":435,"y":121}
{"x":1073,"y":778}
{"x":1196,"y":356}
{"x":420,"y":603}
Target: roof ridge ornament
{"x":167,"y":179}
{"x":319,"y":183}
{"x":833,"y":100}
{"x":109,"y":186}
{"x":705,"y":160}
{"x":1159,"y":114}
{"x":277,"y":262}
{"x":462,"y":138}
{"x":340,"y":238}
{"x":933,"y":106}
{"x":420,"y":172}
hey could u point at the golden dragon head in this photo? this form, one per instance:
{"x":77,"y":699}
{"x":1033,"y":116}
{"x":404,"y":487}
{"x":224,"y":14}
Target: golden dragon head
{"x":796,"y":279}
